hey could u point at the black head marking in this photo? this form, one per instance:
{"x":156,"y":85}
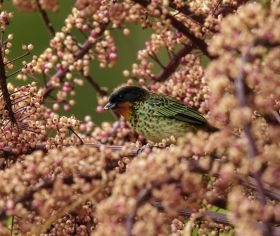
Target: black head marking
{"x":128,"y":94}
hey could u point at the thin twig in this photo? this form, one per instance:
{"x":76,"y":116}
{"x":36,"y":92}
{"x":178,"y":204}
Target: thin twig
{"x":242,"y":99}
{"x":12,"y":225}
{"x":170,"y":68}
{"x":73,"y":131}
{"x":199,"y":43}
{"x":216,"y":217}
{"x":4,"y":88}
{"x":252,"y":149}
{"x":142,"y":197}
{"x":276,"y":115}
{"x":157,"y":60}
{"x":17,"y":58}
{"x":45,"y":18}
{"x":145,"y":195}
{"x":96,"y":86}
{"x":14,"y":73}
{"x":61,"y":73}
{"x":47,"y":184}
{"x":269,"y":191}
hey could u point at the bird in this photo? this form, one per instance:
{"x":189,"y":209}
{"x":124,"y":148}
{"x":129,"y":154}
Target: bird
{"x":156,"y":116}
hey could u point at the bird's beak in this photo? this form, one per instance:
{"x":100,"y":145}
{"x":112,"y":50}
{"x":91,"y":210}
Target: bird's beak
{"x":109,"y":106}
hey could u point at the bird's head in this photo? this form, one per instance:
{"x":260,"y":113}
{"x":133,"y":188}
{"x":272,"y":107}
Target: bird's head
{"x":122,"y":100}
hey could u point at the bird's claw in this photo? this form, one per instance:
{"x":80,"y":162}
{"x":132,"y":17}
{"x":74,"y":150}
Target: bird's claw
{"x":145,"y":149}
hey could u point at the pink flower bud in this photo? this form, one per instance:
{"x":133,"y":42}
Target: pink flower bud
{"x":57,"y":162}
{"x":33,"y":168}
{"x":66,"y":107}
{"x":190,"y":90}
{"x":99,"y":109}
{"x":83,"y":127}
{"x":60,"y":54}
{"x":113,"y":56}
{"x":85,"y":28}
{"x":140,"y":138}
{"x":93,"y":33}
{"x":36,"y":203}
{"x":186,"y":101}
{"x":10,"y":205}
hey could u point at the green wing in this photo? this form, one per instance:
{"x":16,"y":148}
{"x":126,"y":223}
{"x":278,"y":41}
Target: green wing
{"x":174,"y":109}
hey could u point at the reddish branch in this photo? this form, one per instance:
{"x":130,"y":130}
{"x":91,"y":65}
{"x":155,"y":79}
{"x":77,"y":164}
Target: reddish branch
{"x":174,"y":62}
{"x":4,"y":89}
{"x":46,"y":184}
{"x":96,"y":86}
{"x":144,"y":196}
{"x":45,"y":18}
{"x":61,"y":73}
{"x":243,"y":102}
{"x":252,"y":149}
{"x":186,"y":11}
{"x":216,"y":217}
{"x":199,"y":43}
{"x":170,"y":68}
{"x":276,"y":115}
{"x":130,"y":152}
{"x":269,"y":191}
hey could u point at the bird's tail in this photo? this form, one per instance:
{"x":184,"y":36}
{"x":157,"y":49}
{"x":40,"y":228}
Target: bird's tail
{"x":211,"y":129}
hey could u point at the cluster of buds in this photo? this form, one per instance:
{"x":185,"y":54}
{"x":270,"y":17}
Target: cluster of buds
{"x":33,"y":123}
{"x":242,"y":50}
{"x":109,"y":185}
{"x":30,"y":5}
{"x":187,"y":84}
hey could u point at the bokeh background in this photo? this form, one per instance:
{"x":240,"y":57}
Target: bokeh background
{"x":29,"y":28}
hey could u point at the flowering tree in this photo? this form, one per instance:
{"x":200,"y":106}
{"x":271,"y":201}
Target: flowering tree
{"x":61,"y":176}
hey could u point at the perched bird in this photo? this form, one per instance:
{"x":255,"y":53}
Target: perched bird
{"x":155,"y":116}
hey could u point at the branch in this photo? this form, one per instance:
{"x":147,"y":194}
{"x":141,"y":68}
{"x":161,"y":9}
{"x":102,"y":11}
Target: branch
{"x":276,"y":115}
{"x":216,"y":217}
{"x":131,"y":152}
{"x":145,"y":195}
{"x":186,"y":11}
{"x":61,"y":73}
{"x":4,"y":89}
{"x":96,"y":86}
{"x":45,"y":18}
{"x":269,"y":191}
{"x":199,"y":43}
{"x":47,"y":184}
{"x":250,"y":182}
{"x":142,"y":197}
{"x":243,"y":102}
{"x":252,"y":149}
{"x":170,"y":68}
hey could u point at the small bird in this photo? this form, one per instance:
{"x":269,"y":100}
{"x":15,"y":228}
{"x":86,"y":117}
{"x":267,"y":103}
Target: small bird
{"x":156,"y":116}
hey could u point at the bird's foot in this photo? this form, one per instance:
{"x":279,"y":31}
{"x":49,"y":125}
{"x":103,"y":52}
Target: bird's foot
{"x":145,"y":149}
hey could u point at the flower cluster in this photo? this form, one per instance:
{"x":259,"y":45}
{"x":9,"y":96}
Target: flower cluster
{"x":30,"y":5}
{"x":60,"y":176}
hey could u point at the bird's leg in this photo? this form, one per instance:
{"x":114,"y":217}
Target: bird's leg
{"x":145,"y":149}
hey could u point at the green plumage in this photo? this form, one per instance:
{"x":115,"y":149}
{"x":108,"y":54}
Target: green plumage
{"x":157,"y":117}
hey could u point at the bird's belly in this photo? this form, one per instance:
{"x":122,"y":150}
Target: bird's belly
{"x":157,"y":128}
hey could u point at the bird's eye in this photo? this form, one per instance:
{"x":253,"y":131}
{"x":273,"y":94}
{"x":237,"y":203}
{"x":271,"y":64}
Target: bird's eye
{"x":120,"y":96}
